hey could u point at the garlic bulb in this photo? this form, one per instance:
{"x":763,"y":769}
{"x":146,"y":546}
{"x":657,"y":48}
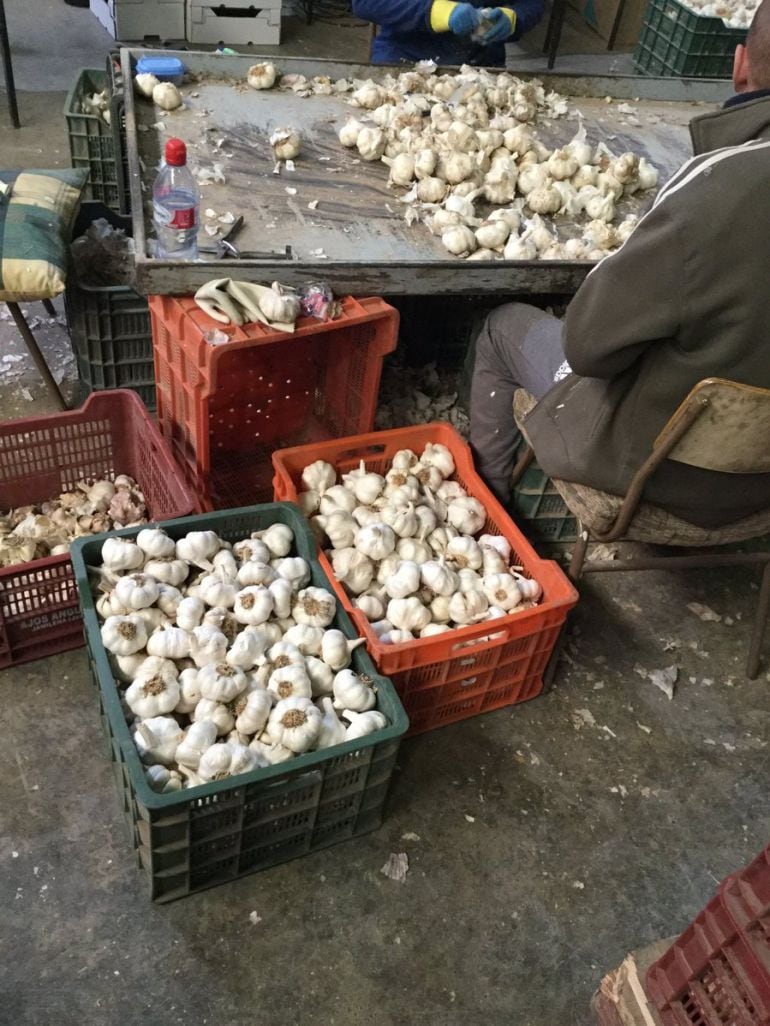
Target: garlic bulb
{"x":157,"y":739}
{"x":251,"y":571}
{"x":153,"y":542}
{"x":124,"y":635}
{"x":401,"y":169}
{"x":332,"y":729}
{"x":562,"y":164}
{"x":370,"y":606}
{"x":197,"y":738}
{"x":363,"y":723}
{"x":648,"y":175}
{"x":198,"y":548}
{"x":376,"y":541}
{"x":348,"y":134}
{"x":246,"y":650}
{"x":339,"y":527}
{"x":288,"y":681}
{"x":314,"y":607}
{"x":431,"y":190}
{"x":166,"y":96}
{"x":336,"y":649}
{"x":145,"y":84}
{"x":120,"y":554}
{"x":220,"y":682}
{"x":207,"y":645}
{"x":586,"y":174}
{"x":493,"y":234}
{"x":189,"y":690}
{"x":467,"y":606}
{"x":308,"y":501}
{"x":337,"y":498}
{"x":286,"y":143}
{"x":404,"y":581}
{"x":169,"y":643}
{"x":412,"y":550}
{"x":438,"y":578}
{"x":369,"y":96}
{"x":283,"y":595}
{"x":459,"y":240}
{"x":532,"y":177}
{"x":278,"y":539}
{"x":353,"y":691}
{"x":544,"y":199}
{"x":261,"y":76}
{"x":408,"y":614}
{"x":425,"y":161}
{"x":226,"y":759}
{"x":321,"y":676}
{"x":467,"y":515}
{"x":579,"y":148}
{"x":296,"y":724}
{"x":371,"y":143}
{"x":253,"y":604}
{"x":403,"y":520}
{"x":153,"y":695}
{"x":365,"y":485}
{"x":395,"y":637}
{"x":464,"y":552}
{"x":293,"y":569}
{"x":169,"y":600}
{"x":251,"y":548}
{"x":501,"y":590}
{"x":215,"y":712}
{"x":307,"y":639}
{"x":353,"y":568}
{"x":520,"y":247}
{"x":597,"y":206}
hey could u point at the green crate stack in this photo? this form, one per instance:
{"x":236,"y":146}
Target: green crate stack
{"x":538,"y":508}
{"x":677,"y":41}
{"x":92,"y":141}
{"x":189,"y":840}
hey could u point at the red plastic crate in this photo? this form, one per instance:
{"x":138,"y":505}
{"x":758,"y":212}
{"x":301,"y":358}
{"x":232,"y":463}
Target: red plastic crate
{"x":225,"y":408}
{"x":526,"y":638}
{"x":747,"y":897}
{"x":710,"y":976}
{"x":112,"y":433}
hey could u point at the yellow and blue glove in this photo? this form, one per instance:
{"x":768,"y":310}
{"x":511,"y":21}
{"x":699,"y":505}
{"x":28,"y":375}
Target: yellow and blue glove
{"x":458,"y":18}
{"x":503,"y":23}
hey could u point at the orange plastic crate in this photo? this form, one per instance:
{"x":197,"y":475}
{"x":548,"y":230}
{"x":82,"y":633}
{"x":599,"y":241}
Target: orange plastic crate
{"x":510,"y":665}
{"x":112,"y":433}
{"x":225,"y":408}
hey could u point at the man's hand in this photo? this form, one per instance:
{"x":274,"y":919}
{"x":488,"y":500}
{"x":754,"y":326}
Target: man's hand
{"x":503,"y":22}
{"x":463,"y":20}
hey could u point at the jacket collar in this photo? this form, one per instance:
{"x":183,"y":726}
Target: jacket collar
{"x":745,"y":117}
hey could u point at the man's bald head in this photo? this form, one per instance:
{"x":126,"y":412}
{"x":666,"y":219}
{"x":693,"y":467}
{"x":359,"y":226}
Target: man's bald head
{"x":758,"y":47}
{"x":751,"y":67}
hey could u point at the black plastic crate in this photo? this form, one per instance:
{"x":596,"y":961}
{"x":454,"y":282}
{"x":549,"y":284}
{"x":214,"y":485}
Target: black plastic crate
{"x":677,"y":41}
{"x":110,"y":326}
{"x":203,"y":836}
{"x":94,"y":144}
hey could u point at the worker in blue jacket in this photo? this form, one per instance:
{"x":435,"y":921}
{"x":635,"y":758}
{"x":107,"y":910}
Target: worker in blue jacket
{"x":445,"y":31}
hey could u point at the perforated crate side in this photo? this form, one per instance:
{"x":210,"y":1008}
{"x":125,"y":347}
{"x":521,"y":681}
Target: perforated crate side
{"x":676,"y":41}
{"x":226,"y":408}
{"x":91,"y":140}
{"x":538,"y":507}
{"x":209,"y":834}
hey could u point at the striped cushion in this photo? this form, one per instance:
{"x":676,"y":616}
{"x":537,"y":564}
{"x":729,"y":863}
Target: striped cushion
{"x":36,"y":216}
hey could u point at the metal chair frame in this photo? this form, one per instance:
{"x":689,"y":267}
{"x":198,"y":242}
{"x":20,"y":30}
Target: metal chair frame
{"x":688,"y":413}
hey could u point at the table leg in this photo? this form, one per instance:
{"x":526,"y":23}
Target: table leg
{"x":553,"y":31}
{"x":10,"y":85}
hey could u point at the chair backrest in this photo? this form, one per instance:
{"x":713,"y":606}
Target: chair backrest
{"x":729,"y":429}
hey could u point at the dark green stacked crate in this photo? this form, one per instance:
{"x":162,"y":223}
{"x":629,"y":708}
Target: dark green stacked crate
{"x":677,"y":41}
{"x":189,"y":840}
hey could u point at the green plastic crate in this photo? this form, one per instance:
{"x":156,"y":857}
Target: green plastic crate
{"x":677,"y":41}
{"x":207,"y":835}
{"x":538,"y":508}
{"x":109,"y":325}
{"x":93,"y":143}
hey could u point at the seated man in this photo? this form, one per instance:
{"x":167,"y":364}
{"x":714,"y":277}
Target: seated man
{"x":684,"y":299}
{"x":446,"y":32}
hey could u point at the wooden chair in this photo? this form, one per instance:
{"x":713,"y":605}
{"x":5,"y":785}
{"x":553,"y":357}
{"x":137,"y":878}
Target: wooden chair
{"x":722,"y":426}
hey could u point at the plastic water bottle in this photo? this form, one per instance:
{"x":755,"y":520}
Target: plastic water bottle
{"x":176,"y":206}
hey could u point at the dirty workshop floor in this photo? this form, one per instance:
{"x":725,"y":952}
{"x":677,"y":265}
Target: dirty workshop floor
{"x":543,"y":841}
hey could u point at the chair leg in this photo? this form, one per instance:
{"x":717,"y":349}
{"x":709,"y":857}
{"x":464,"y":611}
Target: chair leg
{"x":760,"y":622}
{"x":522,"y":463}
{"x":578,"y":553}
{"x":29,"y":339}
{"x":553,"y":32}
{"x":50,"y":309}
{"x":10,"y":85}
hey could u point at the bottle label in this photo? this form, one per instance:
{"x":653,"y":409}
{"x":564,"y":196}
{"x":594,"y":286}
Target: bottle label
{"x":183,"y":218}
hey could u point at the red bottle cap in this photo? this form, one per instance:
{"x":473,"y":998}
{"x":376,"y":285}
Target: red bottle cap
{"x":176,"y":153}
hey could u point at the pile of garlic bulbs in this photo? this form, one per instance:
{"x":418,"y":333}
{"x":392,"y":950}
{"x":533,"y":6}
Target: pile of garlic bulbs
{"x":227,"y":654}
{"x":464,"y":149}
{"x":47,"y":528}
{"x":736,"y":14}
{"x":408,"y":546}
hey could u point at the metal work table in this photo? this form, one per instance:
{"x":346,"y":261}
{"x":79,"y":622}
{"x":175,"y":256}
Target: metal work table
{"x":354,"y":235}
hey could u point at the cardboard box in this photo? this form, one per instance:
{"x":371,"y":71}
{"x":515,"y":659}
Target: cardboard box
{"x":601,"y":14}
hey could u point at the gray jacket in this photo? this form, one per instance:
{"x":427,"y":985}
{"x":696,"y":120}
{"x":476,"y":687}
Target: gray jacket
{"x":684,"y":299}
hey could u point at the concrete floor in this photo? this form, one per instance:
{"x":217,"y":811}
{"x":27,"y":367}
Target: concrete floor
{"x":544,"y":841}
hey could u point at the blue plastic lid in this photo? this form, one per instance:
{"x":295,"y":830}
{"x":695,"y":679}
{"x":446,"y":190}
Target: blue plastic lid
{"x":160,"y":67}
